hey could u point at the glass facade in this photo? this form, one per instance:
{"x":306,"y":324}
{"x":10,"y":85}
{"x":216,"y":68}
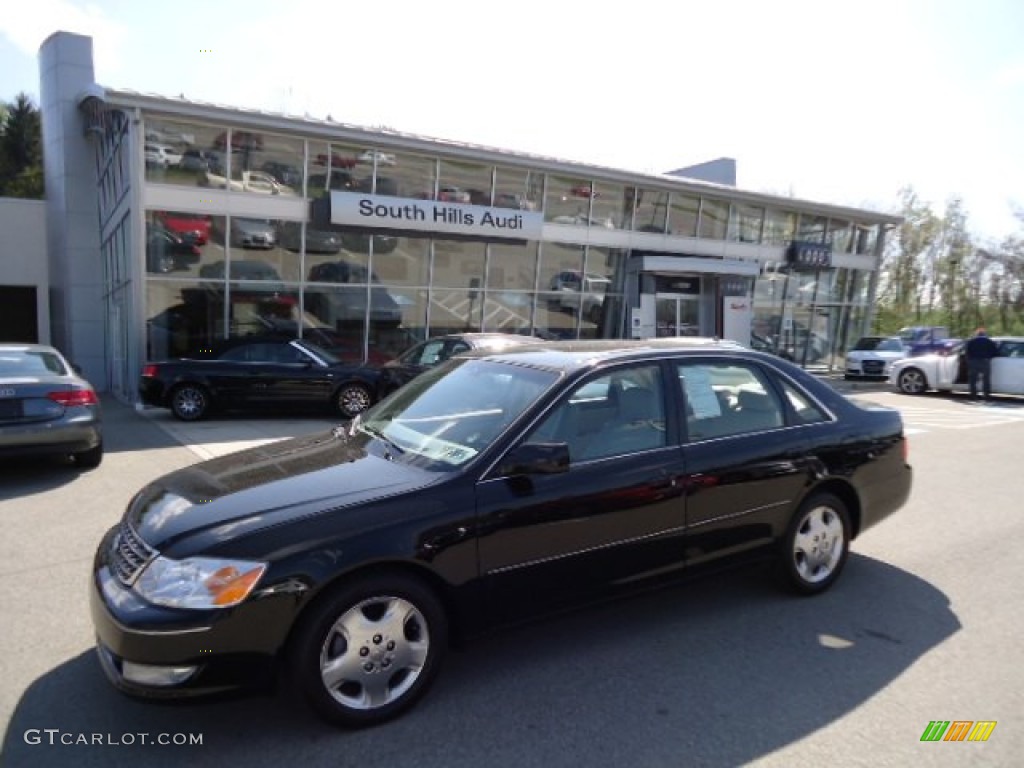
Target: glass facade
{"x":369,"y":295}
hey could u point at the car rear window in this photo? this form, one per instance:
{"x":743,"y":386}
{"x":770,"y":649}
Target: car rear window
{"x":30,"y":363}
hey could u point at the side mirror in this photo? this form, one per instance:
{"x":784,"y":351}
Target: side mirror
{"x":536,"y":459}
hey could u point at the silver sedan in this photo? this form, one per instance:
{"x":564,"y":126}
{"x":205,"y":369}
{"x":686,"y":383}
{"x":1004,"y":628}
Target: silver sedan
{"x":46,"y":407}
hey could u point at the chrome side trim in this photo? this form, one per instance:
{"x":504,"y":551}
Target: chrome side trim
{"x":599,"y":547}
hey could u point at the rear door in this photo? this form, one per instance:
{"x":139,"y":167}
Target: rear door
{"x":1008,"y":368}
{"x":746,"y":463}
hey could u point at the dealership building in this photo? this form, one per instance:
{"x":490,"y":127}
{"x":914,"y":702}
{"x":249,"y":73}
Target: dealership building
{"x":171,"y":224}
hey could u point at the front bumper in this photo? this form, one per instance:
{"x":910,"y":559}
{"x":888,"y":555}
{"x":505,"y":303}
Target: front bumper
{"x":228,"y":649}
{"x":868,"y":368}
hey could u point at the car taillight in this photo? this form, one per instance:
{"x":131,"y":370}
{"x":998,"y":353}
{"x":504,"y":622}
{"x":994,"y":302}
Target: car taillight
{"x":150,"y":371}
{"x":74,"y":397}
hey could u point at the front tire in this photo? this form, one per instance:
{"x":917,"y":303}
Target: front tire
{"x":912,"y":382}
{"x":369,"y":651}
{"x":190,"y":402}
{"x":352,"y":399}
{"x":816,"y":545}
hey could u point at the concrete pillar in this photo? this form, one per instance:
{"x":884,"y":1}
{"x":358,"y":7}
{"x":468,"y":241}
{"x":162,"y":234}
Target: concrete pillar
{"x":72,"y":216}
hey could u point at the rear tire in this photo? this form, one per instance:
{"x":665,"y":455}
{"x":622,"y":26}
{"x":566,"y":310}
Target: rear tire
{"x":352,"y":399}
{"x":816,"y":545}
{"x":369,"y":651}
{"x":912,"y":381}
{"x":189,"y":402}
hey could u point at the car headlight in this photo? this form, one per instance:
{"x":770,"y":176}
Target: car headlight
{"x":199,"y":582}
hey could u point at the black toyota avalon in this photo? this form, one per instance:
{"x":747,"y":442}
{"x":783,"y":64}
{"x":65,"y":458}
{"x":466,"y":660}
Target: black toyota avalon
{"x":493,"y":488}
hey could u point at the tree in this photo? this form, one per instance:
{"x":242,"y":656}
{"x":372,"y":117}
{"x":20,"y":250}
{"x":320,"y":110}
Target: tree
{"x":21,"y":149}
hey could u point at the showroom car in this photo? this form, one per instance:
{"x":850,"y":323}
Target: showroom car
{"x":46,"y":407}
{"x":872,"y":356}
{"x":946,"y":371}
{"x":434,"y":351}
{"x":260,"y":373}
{"x":492,"y":488}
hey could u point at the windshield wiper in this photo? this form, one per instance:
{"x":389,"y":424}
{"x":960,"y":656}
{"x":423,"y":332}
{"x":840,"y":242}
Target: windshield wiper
{"x":379,"y":434}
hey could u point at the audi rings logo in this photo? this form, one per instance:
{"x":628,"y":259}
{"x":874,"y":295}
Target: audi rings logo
{"x":7,"y":392}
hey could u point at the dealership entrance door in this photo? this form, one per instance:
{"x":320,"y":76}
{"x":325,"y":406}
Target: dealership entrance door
{"x":677,"y":314}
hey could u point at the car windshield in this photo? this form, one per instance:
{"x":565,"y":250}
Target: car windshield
{"x":889,"y":345}
{"x":867,"y":343}
{"x":449,"y":415}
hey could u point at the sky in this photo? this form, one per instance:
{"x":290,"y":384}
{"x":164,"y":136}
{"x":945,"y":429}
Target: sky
{"x":830,"y":100}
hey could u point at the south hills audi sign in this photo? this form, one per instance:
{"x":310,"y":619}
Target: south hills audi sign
{"x":402,"y":213}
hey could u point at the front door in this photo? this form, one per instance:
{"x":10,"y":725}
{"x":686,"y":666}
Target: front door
{"x":677,"y":314}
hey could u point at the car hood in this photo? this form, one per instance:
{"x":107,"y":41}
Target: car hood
{"x":243,"y":492}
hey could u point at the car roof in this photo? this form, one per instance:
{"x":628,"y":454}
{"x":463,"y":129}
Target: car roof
{"x":568,"y":356}
{"x":9,"y":346}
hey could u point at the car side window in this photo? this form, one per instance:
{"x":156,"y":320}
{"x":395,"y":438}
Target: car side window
{"x":724,"y":399}
{"x":805,"y":411}
{"x":431,"y":354}
{"x":1011,"y":349}
{"x":609,"y":415}
{"x":455,"y":348}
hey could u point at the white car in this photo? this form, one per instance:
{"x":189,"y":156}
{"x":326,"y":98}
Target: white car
{"x":948,"y":372}
{"x":251,"y":181}
{"x":874,"y":356}
{"x":382,"y":158}
{"x":162,"y":156}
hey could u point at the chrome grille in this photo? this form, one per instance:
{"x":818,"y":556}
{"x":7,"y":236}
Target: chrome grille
{"x":129,"y":554}
{"x":873,"y":366}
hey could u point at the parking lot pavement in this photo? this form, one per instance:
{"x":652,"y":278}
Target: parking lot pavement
{"x":217,"y":437}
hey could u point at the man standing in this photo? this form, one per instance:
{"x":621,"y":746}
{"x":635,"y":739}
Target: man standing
{"x":979,"y":351}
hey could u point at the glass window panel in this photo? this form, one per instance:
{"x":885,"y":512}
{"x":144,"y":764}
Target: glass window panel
{"x":556,"y":317}
{"x":455,"y":311}
{"x":603,"y":277}
{"x":683,"y":215}
{"x":556,"y":260}
{"x":388,"y":341}
{"x":515,"y":188}
{"x":254,"y":250}
{"x":182,"y":317}
{"x":335,"y":317}
{"x":507,"y":311}
{"x":779,"y":227}
{"x":612,"y":205}
{"x":512,"y":266}
{"x":651,"y":210}
{"x":181,"y":152}
{"x":745,"y":223}
{"x":840,"y":235}
{"x":259,"y":163}
{"x":465,"y":183}
{"x":458,"y":264}
{"x":812,"y":228}
{"x":714,"y":219}
{"x":568,"y":200}
{"x":403,"y":176}
{"x":866,"y":238}
{"x":402,"y":260}
{"x":332,"y":166}
{"x":178,"y":243}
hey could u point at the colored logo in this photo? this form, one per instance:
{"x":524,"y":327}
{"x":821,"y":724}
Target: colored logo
{"x":958,"y":730}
